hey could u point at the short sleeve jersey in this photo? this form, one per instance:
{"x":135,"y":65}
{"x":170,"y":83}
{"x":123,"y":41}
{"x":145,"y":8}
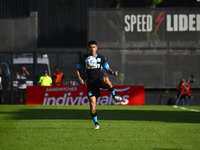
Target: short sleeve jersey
{"x":95,"y":73}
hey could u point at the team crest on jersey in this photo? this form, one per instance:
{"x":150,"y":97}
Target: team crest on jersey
{"x":98,"y":59}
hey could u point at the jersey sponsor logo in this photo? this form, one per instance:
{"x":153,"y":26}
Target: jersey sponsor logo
{"x":97,"y":66}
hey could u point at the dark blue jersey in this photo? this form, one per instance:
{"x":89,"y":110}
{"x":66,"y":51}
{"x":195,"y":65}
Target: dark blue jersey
{"x":95,"y":73}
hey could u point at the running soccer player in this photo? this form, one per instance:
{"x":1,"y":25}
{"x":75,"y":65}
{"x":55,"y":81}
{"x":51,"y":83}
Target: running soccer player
{"x":96,"y":79}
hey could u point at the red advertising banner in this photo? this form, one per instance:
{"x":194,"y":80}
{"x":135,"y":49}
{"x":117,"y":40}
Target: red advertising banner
{"x":77,"y":95}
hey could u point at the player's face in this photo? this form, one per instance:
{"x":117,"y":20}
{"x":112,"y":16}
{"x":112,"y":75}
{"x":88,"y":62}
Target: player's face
{"x":93,"y":49}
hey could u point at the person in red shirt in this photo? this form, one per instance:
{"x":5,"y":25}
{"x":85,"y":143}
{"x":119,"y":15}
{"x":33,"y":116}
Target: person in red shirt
{"x":58,"y":77}
{"x":186,"y":93}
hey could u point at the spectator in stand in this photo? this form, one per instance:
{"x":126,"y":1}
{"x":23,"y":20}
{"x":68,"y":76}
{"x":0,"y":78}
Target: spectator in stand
{"x":45,"y":80}
{"x":186,"y":93}
{"x":58,"y":77}
{"x":22,"y":84}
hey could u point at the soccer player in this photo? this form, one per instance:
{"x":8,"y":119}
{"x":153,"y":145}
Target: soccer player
{"x":96,"y":79}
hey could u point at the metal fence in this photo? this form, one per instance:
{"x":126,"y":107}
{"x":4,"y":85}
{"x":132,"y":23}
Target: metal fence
{"x":153,"y":68}
{"x":36,"y":64}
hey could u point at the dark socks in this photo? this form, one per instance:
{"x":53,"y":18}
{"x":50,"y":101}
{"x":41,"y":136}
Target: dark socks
{"x":112,"y":91}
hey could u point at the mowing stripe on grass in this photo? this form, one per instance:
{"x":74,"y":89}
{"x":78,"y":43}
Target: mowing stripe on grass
{"x":186,"y":108}
{"x":122,"y":123}
{"x":43,"y":123}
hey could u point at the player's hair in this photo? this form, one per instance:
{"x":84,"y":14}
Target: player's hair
{"x":92,"y":42}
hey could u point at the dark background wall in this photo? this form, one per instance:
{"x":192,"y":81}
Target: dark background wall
{"x":63,"y":23}
{"x":18,"y":33}
{"x":60,"y":25}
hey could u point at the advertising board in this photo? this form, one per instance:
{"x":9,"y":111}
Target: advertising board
{"x":77,"y":95}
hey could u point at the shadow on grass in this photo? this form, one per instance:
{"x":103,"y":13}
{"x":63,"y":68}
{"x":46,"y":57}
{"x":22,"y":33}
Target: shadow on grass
{"x":81,"y":114}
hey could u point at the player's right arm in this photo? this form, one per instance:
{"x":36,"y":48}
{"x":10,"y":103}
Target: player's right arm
{"x":79,"y":77}
{"x":78,"y":67}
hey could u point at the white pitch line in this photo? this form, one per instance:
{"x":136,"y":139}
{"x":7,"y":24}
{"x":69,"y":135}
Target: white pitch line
{"x":186,"y":108}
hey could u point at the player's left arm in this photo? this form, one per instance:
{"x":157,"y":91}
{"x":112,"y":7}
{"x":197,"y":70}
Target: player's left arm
{"x":108,"y":69}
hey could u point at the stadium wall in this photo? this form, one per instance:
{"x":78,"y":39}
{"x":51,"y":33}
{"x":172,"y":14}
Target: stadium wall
{"x":151,"y":68}
{"x":154,"y":68}
{"x":145,"y":28}
{"x":19,"y":33}
{"x":151,"y":47}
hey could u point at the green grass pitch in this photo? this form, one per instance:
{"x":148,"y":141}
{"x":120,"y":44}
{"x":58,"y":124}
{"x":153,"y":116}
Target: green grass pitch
{"x":121,"y":127}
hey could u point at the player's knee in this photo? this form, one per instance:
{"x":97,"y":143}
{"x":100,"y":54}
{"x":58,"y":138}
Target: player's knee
{"x":105,"y":79}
